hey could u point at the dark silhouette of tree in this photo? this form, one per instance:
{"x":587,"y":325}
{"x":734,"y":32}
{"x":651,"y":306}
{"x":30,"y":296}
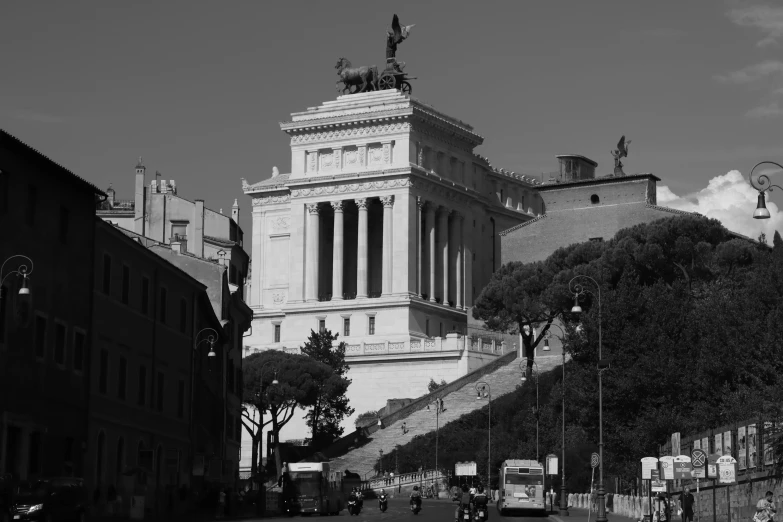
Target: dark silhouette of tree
{"x":432,"y":386}
{"x":331,"y":405}
{"x":298,"y":378}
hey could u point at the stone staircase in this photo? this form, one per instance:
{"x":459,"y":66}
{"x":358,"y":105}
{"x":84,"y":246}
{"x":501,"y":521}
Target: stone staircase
{"x":502,"y":380}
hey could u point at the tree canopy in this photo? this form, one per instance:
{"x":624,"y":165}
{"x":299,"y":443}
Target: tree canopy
{"x":331,"y":405}
{"x":691,"y":318}
{"x":298,"y":378}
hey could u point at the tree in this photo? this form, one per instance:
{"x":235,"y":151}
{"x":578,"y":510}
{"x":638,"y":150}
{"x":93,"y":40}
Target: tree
{"x":331,"y":405}
{"x":432,"y":386}
{"x":365,"y":419}
{"x":297,"y":387}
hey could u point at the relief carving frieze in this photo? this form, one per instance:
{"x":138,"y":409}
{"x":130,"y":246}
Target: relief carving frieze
{"x":351,"y":133}
{"x":267,"y":200}
{"x":280,"y":223}
{"x":352,"y":187}
{"x":279,"y":298}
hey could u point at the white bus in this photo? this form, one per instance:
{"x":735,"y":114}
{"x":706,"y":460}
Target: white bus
{"x":521,"y":486}
{"x":311,"y":488}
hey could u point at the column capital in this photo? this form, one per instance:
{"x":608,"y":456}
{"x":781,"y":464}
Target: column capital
{"x":361,"y":203}
{"x":313,"y":208}
{"x":388,"y":201}
{"x":338,"y":205}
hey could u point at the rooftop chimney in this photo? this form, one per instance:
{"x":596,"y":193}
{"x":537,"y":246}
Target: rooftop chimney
{"x":139,"y":199}
{"x":173,"y":186}
{"x":198,"y":228}
{"x":235,"y":212}
{"x":176,"y":247}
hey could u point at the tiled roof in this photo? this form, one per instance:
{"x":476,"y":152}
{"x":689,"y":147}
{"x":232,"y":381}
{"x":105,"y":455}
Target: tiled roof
{"x":17,"y":144}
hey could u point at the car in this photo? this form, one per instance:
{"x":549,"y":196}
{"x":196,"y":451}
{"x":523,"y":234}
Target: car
{"x":50,"y":500}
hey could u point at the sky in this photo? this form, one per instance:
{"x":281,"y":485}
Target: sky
{"x":197,"y":88}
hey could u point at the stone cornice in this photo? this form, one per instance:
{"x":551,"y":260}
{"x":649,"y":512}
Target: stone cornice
{"x":551,"y":187}
{"x":348,"y":132}
{"x":526,"y":223}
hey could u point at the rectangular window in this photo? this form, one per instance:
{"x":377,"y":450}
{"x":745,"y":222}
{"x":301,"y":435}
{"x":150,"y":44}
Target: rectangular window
{"x":63,"y":224}
{"x":371,"y":329}
{"x":145,"y":295}
{"x":161,"y":384}
{"x":277,"y":333}
{"x":59,"y":343}
{"x":103,"y":375}
{"x":106,"y":274}
{"x":163,"y":304}
{"x":40,"y":336}
{"x":32,"y":204}
{"x":125,"y":284}
{"x":78,"y":351}
{"x":142,"y":397}
{"x":122,"y":375}
{"x":181,"y":399}
{"x":321,"y":325}
{"x":179,"y":232}
{"x":346,"y":327}
{"x":183,"y":315}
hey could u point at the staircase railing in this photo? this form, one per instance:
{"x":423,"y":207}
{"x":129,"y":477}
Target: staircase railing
{"x":421,"y":478}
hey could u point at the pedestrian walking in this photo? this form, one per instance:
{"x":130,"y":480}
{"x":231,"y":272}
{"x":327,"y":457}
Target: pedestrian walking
{"x":221,"y":506}
{"x":686,"y":505}
{"x":765,"y":509}
{"x":440,"y":404}
{"x":404,"y":428}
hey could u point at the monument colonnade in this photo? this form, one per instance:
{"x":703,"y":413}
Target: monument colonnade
{"x":438,"y":251}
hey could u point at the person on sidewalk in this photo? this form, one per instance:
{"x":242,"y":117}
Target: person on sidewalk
{"x":765,"y":509}
{"x":686,"y":504}
{"x":221,"y":505}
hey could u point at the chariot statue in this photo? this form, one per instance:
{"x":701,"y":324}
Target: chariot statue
{"x":367,"y":78}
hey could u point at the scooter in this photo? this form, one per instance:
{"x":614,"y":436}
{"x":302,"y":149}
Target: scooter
{"x":415,"y":506}
{"x":353,"y":507}
{"x":480,"y":513}
{"x":383,"y":502}
{"x":464,"y":514}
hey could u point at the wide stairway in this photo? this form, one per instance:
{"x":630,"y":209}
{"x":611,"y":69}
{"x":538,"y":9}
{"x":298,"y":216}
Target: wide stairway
{"x":502,"y":380}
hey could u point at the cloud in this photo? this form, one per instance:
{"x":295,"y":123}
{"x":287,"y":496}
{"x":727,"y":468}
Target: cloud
{"x":767,"y":19}
{"x":731,"y":200}
{"x":753,"y":73}
{"x":771,"y":110}
{"x":37,"y":117}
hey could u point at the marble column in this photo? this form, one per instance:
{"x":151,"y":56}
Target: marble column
{"x":361,"y":250}
{"x":443,"y":229}
{"x":429,"y":226}
{"x":313,"y":232}
{"x":457,"y":226}
{"x":386,"y":270}
{"x":419,"y":240}
{"x":338,"y":252}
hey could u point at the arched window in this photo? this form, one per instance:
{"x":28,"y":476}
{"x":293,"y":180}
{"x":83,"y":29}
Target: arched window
{"x":120,"y":464}
{"x":100,"y":462}
{"x":594,"y":199}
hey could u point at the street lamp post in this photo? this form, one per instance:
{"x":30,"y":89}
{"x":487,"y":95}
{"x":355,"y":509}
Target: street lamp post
{"x":380,"y":462}
{"x":761,"y":209}
{"x":262,"y":505}
{"x":524,"y":378}
{"x":484,"y":391}
{"x":577,"y":290}
{"x":23,"y":268}
{"x":563,"y":499}
{"x":437,"y":427}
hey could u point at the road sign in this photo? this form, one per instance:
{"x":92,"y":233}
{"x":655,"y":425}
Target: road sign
{"x":727,"y":470}
{"x":649,"y":464}
{"x":667,"y":467}
{"x":656,"y":484}
{"x":551,"y":464}
{"x":595,"y":459}
{"x":682,"y":467}
{"x":712,"y":465}
{"x":698,"y":458}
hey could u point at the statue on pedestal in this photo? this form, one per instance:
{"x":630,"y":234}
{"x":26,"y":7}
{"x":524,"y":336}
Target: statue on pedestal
{"x":395,"y":35}
{"x":621,"y":152}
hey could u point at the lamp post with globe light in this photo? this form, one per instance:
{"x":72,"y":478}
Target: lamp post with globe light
{"x":537,"y":411}
{"x":577,"y":290}
{"x":761,"y":211}
{"x":484,"y":391}
{"x":563,"y":499}
{"x":21,"y":266}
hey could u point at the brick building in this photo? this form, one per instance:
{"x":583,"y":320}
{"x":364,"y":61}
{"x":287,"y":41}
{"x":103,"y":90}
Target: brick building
{"x":580,"y":207}
{"x":47,"y":213}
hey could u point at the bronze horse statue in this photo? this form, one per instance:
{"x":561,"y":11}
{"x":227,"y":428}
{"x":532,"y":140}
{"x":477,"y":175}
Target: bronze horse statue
{"x":364,"y":78}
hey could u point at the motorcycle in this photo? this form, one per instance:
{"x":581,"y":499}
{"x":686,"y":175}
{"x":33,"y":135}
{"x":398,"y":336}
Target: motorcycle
{"x":415,"y":506}
{"x":480,"y":514}
{"x":353,"y":507}
{"x":464,"y":514}
{"x":382,"y":503}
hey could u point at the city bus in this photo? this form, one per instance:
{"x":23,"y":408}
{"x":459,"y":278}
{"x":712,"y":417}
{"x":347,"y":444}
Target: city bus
{"x":311,"y":487}
{"x":521,"y":486}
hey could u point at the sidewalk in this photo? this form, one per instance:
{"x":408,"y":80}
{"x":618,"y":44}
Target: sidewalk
{"x":580,"y":515}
